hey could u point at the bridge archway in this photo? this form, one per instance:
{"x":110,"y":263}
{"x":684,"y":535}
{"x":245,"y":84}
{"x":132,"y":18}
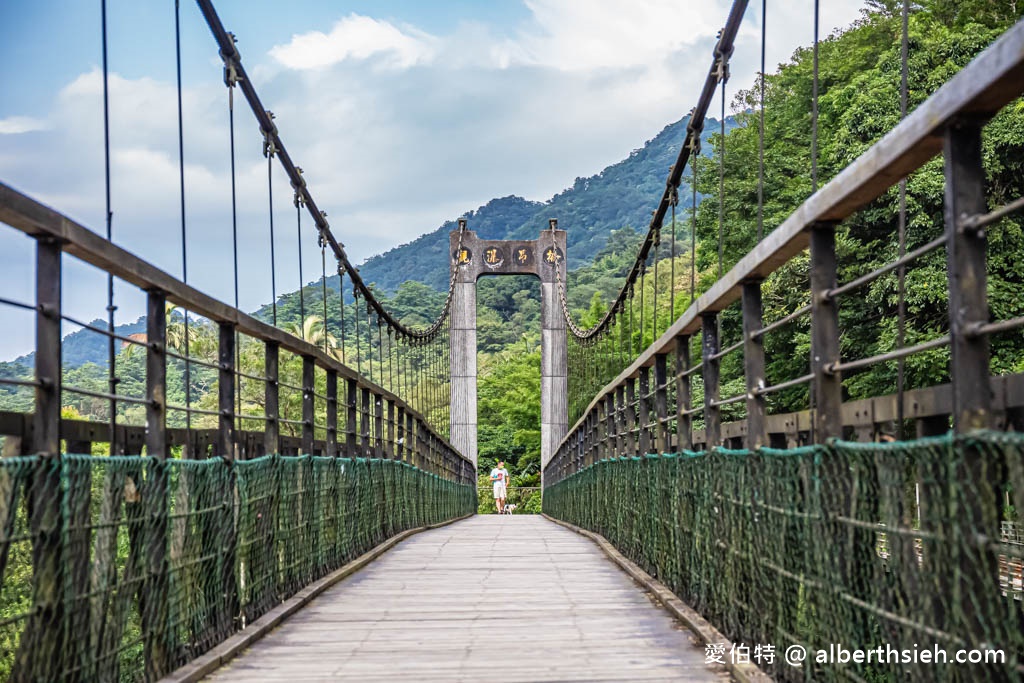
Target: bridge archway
{"x":470,"y":259}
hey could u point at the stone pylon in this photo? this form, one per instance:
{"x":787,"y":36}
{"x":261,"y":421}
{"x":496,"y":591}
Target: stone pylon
{"x":472,"y":258}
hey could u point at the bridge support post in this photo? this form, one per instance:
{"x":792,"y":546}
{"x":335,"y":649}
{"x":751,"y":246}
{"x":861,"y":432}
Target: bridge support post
{"x":154,"y":607}
{"x":463,"y":365}
{"x":632,"y":444}
{"x":42,"y":648}
{"x":554,"y":362}
{"x":975,"y":470}
{"x":661,"y":440}
{"x":753,"y":364}
{"x":710,"y":366}
{"x":609,"y":427}
{"x":226,"y":391}
{"x":156,"y":374}
{"x":684,"y":397}
{"x":308,"y":403}
{"x":364,"y":427}
{"x":827,"y":382}
{"x":965,"y":256}
{"x":618,"y":399}
{"x":392,"y":449}
{"x":401,"y":445}
{"x":332,"y":414}
{"x":271,"y":438}
{"x":351,"y":417}
{"x":378,"y":427}
{"x":645,"y":411}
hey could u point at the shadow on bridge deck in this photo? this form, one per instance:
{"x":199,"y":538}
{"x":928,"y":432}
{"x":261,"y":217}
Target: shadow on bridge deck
{"x":513,"y":598}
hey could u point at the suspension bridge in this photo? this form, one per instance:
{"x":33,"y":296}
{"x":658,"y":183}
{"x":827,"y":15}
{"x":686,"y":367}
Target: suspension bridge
{"x":313,"y":516}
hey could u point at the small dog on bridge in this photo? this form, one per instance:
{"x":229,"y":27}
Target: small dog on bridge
{"x":509,"y":507}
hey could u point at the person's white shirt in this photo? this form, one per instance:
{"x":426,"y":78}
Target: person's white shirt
{"x":499,"y":476}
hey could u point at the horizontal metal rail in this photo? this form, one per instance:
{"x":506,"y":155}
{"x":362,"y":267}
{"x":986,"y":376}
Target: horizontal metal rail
{"x":726,"y":351}
{"x":803,"y":310}
{"x":889,"y":356}
{"x":18,"y":304}
{"x":33,"y":218}
{"x":19,"y":382}
{"x":192,"y":360}
{"x":104,"y":395}
{"x":978,"y":330}
{"x":889,"y":267}
{"x":977,"y":222}
{"x":804,"y":379}
{"x":196,"y":411}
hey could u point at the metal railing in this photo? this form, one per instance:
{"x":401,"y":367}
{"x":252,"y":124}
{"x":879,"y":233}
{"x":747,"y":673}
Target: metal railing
{"x":649,"y":407}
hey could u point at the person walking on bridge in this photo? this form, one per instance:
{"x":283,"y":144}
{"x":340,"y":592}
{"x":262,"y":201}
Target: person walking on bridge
{"x":499,"y":477}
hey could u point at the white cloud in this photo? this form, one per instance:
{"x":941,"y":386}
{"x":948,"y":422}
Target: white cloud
{"x":15,"y":125}
{"x":594,"y":34}
{"x":397,"y":130}
{"x":356,"y":37}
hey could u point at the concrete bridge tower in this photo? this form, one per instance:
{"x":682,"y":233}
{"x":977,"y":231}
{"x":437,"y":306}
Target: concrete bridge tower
{"x":470,"y":259}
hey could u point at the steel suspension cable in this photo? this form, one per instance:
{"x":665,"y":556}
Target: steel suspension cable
{"x":901,"y":272}
{"x":721,"y":190}
{"x":184,"y":243}
{"x":811,"y":394}
{"x":323,"y":286}
{"x":302,"y":280}
{"x":672,"y":271}
{"x":359,"y":338}
{"x":341,"y":301}
{"x":269,"y":153}
{"x":760,"y":140}
{"x":230,"y":79}
{"x":112,"y":380}
{"x":693,"y":228}
{"x":654,"y":317}
{"x":723,"y":51}
{"x":272,"y":138}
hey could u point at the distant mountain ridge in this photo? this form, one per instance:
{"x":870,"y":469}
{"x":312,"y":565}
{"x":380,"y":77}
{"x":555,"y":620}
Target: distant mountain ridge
{"x":623,"y":194}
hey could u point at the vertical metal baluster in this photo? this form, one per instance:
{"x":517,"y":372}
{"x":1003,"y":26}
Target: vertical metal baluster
{"x":968,"y":301}
{"x":684,"y":400}
{"x":710,"y":371}
{"x":272,"y":436}
{"x":661,"y":440}
{"x":332,"y":414}
{"x":351,"y":418}
{"x":226,"y":391}
{"x":308,"y":403}
{"x":645,"y":410}
{"x":753,"y":364}
{"x":827,"y":383}
{"x":41,"y":651}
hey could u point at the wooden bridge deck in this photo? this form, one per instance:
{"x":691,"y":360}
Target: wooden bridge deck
{"x":487,"y":599}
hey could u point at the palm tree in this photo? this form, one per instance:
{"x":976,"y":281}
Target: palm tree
{"x":315,"y":332}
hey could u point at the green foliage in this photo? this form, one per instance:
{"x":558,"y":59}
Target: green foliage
{"x":859,"y":103}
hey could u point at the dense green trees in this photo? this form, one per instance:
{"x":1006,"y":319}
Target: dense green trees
{"x":859,"y":103}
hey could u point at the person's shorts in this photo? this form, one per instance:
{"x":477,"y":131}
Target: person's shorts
{"x":499,"y":490}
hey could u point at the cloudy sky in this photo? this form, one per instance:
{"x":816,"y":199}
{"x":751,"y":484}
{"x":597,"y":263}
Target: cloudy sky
{"x":403,"y":114}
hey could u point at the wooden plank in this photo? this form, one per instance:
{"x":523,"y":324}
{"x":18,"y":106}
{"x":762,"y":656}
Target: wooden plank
{"x":446,"y":604}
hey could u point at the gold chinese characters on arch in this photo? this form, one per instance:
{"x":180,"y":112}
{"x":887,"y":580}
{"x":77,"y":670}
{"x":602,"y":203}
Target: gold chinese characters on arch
{"x":494,"y":256}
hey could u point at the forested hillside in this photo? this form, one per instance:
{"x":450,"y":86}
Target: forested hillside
{"x":622,"y":195}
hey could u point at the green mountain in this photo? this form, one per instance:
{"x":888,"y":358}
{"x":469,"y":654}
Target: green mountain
{"x":622,"y":195}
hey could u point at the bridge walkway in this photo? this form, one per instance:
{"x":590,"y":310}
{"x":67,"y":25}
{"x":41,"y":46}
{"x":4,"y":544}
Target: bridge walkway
{"x":490,"y":598}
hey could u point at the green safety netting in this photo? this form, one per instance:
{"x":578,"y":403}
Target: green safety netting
{"x":123,"y":568}
{"x":908,"y":544}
